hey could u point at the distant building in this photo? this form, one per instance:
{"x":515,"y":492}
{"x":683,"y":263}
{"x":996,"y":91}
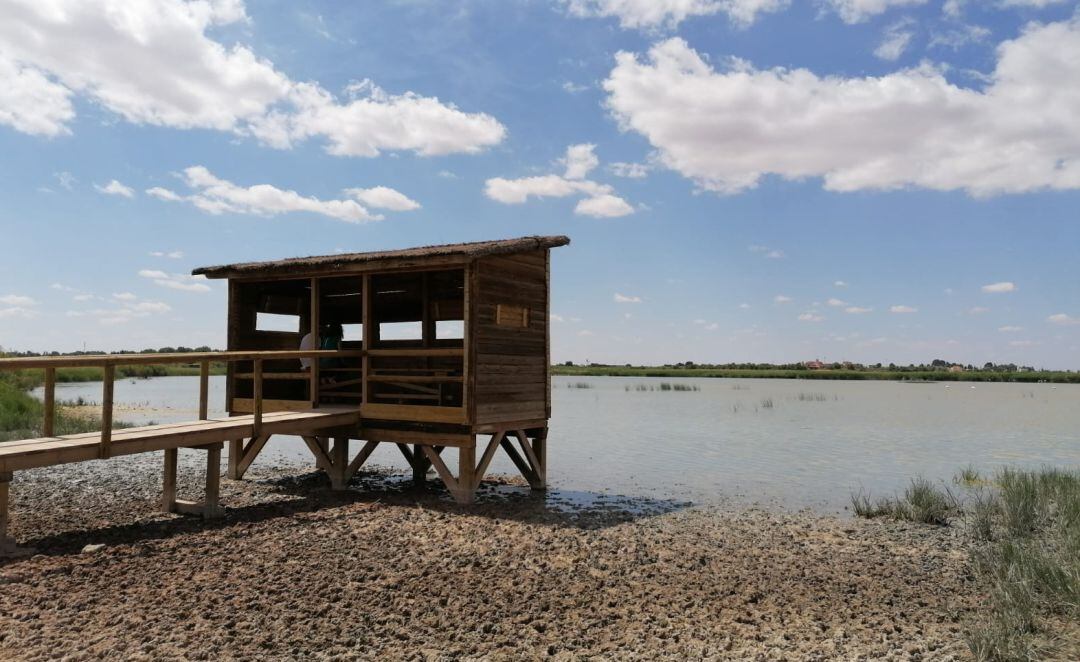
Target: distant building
{"x":814,"y":365}
{"x":956,"y":368}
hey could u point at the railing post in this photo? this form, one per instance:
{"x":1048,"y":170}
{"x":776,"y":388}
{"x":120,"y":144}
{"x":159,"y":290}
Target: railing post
{"x":257,"y":379}
{"x":204,"y":389}
{"x":316,"y":341}
{"x":50,"y":402}
{"x":106,"y":411}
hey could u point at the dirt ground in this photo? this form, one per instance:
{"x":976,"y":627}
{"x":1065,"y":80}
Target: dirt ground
{"x":389,"y":571}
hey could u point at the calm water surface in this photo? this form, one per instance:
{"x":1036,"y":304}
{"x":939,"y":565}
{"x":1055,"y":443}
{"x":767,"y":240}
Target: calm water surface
{"x":789,"y":443}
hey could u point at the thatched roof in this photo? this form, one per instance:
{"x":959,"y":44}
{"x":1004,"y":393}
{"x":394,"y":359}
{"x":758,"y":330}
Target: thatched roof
{"x":383,"y":259}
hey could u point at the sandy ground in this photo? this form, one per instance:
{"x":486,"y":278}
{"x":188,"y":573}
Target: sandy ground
{"x":388,"y":571}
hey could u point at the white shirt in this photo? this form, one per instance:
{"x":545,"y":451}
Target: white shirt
{"x":306,"y":343}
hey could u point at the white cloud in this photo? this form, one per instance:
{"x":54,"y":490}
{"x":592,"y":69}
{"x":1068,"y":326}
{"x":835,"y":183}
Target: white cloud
{"x":383,"y":197}
{"x":958,"y":37}
{"x":810,"y":317}
{"x":1063,"y":319}
{"x":629,"y":170}
{"x":978,"y":310}
{"x":83,"y":297}
{"x":600,"y":200}
{"x":771,"y":253}
{"x":17,"y":300}
{"x":163,"y":194}
{"x":603,"y":206}
{"x":726,"y":128}
{"x":895,"y":41}
{"x":840,"y":283}
{"x":999,"y":288}
{"x":780,"y":298}
{"x":836,"y":303}
{"x":626,"y":298}
{"x":124,"y":296}
{"x":18,"y":311}
{"x":116,"y":188}
{"x":182,"y":282}
{"x":573,"y":88}
{"x":855,"y":11}
{"x":175,"y":255}
{"x":903,"y":310}
{"x":154,"y":62}
{"x":218,"y":196}
{"x":580,"y":160}
{"x":585,"y":332}
{"x":744,"y":306}
{"x":32,"y":103}
{"x":858,"y":310}
{"x":654,"y":14}
{"x":1010,"y":329}
{"x":62,"y":287}
{"x":555,"y":317}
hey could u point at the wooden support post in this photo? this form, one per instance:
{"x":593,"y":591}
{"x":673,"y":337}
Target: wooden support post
{"x":540,"y":446}
{"x":466,"y":474}
{"x":204,"y":390}
{"x":369,"y":337}
{"x":421,"y":465}
{"x":316,"y":299}
{"x":523,"y":466}
{"x":50,"y":402}
{"x":257,"y":399}
{"x":322,"y":458}
{"x":105,"y":450}
{"x":168,"y":496}
{"x":7,"y":545}
{"x":236,"y":451}
{"x":339,"y":457}
{"x":211,"y":504}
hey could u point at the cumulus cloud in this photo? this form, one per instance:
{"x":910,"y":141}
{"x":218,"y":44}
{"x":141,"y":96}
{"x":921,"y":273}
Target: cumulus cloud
{"x":858,"y":310}
{"x":780,"y":298}
{"x":214,"y":195}
{"x":116,"y":188}
{"x":600,"y":200}
{"x":855,"y":11}
{"x":580,"y":160}
{"x":811,"y":317}
{"x":383,"y":197}
{"x":629,"y":170}
{"x":895,"y":41}
{"x":154,"y":62}
{"x":903,"y":310}
{"x":1063,"y":319}
{"x":728,"y":127}
{"x":771,"y":253}
{"x":626,"y":298}
{"x":182,"y":282}
{"x":655,"y":14}
{"x":1010,"y":329}
{"x":836,"y":303}
{"x":999,"y":288}
{"x":17,"y":300}
{"x":174,"y":255}
{"x":840,"y":283}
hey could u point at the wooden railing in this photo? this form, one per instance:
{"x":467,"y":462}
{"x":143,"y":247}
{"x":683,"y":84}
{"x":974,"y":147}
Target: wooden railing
{"x":109,"y":362}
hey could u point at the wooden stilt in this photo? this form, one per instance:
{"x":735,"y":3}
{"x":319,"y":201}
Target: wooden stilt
{"x":535,"y":481}
{"x":211,"y":507}
{"x":421,"y":466}
{"x":322,"y":458}
{"x":168,"y":495}
{"x":466,"y":474}
{"x":236,"y":449}
{"x":534,"y":461}
{"x":339,"y":461}
{"x":7,"y":544}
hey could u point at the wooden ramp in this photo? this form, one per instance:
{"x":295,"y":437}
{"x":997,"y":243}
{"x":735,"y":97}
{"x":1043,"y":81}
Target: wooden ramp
{"x":208,"y":435}
{"x":49,"y":451}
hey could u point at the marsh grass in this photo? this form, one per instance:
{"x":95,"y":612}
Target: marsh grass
{"x":666,"y":386}
{"x":815,"y":397}
{"x":1028,"y":527}
{"x":922,"y":502}
{"x":767,"y":403}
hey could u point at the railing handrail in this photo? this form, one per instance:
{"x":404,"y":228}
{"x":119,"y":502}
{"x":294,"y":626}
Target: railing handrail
{"x":102,"y":360}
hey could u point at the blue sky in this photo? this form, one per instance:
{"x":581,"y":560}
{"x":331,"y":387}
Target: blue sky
{"x":743,"y":180}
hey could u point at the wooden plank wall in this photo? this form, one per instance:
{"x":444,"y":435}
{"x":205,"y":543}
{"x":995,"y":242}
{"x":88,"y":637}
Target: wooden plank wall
{"x":511,"y":362}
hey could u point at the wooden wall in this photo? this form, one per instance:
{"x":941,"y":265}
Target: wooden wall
{"x":509,"y":338}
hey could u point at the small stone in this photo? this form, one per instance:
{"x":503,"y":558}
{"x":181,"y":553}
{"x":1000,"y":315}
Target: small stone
{"x":92,"y":549}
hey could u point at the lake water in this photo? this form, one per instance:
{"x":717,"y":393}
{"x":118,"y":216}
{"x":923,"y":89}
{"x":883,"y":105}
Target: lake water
{"x":787,"y":443}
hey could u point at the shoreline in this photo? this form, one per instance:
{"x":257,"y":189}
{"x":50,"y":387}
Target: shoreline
{"x":387,"y":570}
